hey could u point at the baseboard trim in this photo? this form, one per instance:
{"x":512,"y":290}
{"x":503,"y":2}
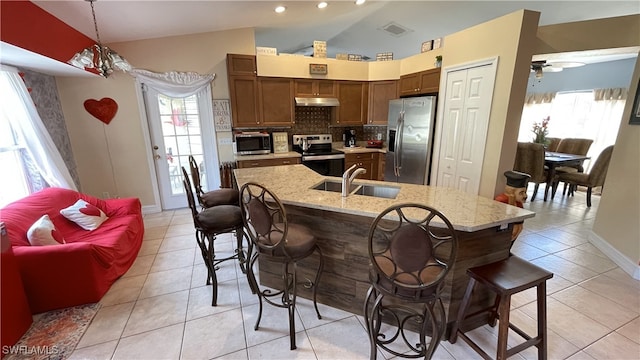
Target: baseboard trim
{"x":151,"y":209}
{"x":626,"y":264}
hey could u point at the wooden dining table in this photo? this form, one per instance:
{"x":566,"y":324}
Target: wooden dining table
{"x":554,"y":159}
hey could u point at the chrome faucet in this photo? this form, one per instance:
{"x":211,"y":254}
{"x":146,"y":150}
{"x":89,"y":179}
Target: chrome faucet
{"x":347,"y":179}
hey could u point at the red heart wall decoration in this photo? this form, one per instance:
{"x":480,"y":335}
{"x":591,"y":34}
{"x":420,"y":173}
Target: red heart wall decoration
{"x":104,"y":109}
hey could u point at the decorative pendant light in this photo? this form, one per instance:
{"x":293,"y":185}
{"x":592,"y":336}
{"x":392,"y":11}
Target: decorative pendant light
{"x":99,"y":56}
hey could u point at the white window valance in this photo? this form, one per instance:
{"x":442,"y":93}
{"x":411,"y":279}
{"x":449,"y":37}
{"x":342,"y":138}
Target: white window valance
{"x":173,"y":83}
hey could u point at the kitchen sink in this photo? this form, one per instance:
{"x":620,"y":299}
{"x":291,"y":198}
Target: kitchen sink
{"x":388,"y":192}
{"x":333,"y":186}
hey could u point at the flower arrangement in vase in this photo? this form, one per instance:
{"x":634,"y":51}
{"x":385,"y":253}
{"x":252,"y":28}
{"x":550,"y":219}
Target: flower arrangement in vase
{"x":541,"y":131}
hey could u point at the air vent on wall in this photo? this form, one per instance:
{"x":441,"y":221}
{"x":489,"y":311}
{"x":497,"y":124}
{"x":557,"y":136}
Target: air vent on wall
{"x":395,"y":29}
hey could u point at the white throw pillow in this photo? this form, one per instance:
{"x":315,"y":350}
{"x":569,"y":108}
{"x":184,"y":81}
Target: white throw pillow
{"x":87,"y":216}
{"x":42,"y":232}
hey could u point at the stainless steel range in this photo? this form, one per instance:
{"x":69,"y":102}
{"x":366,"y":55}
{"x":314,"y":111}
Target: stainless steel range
{"x":318,"y":155}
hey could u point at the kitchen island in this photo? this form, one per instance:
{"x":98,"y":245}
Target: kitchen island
{"x":341,"y":225}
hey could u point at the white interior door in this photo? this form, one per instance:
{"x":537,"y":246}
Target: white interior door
{"x":454,"y":104}
{"x":180,"y":127}
{"x":468,"y":98}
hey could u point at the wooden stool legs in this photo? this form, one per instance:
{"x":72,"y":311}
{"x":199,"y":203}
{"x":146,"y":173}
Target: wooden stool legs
{"x":506,"y":278}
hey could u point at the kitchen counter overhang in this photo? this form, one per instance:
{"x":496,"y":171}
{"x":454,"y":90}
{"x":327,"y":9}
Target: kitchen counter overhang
{"x":293,"y":185}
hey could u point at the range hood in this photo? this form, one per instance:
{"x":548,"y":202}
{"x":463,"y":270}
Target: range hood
{"x":300,"y":101}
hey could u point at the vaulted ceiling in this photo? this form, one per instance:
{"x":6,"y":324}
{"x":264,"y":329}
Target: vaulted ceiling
{"x":346,"y":27}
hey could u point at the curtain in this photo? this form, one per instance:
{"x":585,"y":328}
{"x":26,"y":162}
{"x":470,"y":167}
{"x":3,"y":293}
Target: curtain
{"x":536,"y":108}
{"x":539,"y":98}
{"x":18,"y":108}
{"x":182,"y":85}
{"x":606,"y":115}
{"x":592,"y":114}
{"x":173,"y":83}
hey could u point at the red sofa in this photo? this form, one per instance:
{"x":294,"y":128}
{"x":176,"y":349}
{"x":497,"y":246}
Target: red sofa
{"x":81,"y":270}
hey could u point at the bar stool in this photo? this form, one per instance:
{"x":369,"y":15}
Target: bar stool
{"x":280,"y":241}
{"x":505,"y":278}
{"x":211,"y":198}
{"x":209,"y":224}
{"x":412,"y":248}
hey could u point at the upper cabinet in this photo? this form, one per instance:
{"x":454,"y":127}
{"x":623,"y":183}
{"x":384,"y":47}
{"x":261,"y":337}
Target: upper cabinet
{"x":276,"y":101}
{"x":420,"y":83}
{"x":243,"y":90}
{"x":315,"y":88}
{"x":269,"y":101}
{"x":238,"y":64}
{"x":380,"y":92}
{"x":353,"y":103}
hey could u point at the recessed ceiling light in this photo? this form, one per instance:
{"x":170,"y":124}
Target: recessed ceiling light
{"x":322,"y":5}
{"x":360,"y":2}
{"x":280,"y":9}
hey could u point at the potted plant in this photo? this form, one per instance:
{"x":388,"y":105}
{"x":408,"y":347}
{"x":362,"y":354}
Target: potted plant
{"x":541,"y":131}
{"x":438,"y":62}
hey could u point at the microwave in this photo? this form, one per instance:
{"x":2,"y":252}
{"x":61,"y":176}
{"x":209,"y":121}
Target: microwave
{"x":252,"y":143}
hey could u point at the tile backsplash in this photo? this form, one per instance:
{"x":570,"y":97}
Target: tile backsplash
{"x":317,"y":120}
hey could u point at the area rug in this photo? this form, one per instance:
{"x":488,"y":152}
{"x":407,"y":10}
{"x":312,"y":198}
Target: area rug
{"x":54,"y":334}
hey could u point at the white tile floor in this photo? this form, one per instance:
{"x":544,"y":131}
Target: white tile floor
{"x":161,"y":309}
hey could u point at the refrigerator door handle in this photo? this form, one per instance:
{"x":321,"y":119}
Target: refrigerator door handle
{"x":395,"y":153}
{"x":399,"y":135}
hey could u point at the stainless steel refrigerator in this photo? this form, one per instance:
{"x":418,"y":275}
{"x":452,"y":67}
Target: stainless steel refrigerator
{"x":410,"y":139}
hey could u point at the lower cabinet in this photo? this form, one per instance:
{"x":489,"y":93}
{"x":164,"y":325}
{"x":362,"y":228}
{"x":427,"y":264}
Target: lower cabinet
{"x":369,"y":161}
{"x":243,"y":164}
{"x":382,"y":162}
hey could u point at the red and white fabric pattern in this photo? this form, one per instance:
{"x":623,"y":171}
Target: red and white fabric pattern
{"x":43,"y":232}
{"x":87,"y":216}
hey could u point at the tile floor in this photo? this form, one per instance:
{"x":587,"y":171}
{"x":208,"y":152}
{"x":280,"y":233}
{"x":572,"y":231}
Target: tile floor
{"x":161,"y":308}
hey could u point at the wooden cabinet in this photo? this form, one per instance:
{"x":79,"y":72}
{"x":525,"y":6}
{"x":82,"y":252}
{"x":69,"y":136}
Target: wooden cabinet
{"x":420,"y":83}
{"x":368,"y":160}
{"x":315,"y":88}
{"x":239,"y":65}
{"x":276,"y":101}
{"x":243,"y":90}
{"x":382,"y":163}
{"x":243,"y":164}
{"x":380,"y":92}
{"x":353,"y":97}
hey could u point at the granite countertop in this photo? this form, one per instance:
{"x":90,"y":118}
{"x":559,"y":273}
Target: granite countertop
{"x":292,"y":184}
{"x":288,"y":154}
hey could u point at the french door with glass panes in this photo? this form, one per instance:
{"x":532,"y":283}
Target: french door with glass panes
{"x":181,"y":127}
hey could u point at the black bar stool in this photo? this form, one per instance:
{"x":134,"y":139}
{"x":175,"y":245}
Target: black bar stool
{"x":505,"y":278}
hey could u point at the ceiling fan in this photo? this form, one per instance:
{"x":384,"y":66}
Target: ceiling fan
{"x":540,"y":66}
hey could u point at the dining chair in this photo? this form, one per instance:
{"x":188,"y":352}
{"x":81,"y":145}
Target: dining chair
{"x":576,"y":146}
{"x":224,"y":196}
{"x":553,"y":143}
{"x":594,"y":178}
{"x":279,"y":241}
{"x":412,"y":247}
{"x":209,"y":224}
{"x":530,"y":160}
